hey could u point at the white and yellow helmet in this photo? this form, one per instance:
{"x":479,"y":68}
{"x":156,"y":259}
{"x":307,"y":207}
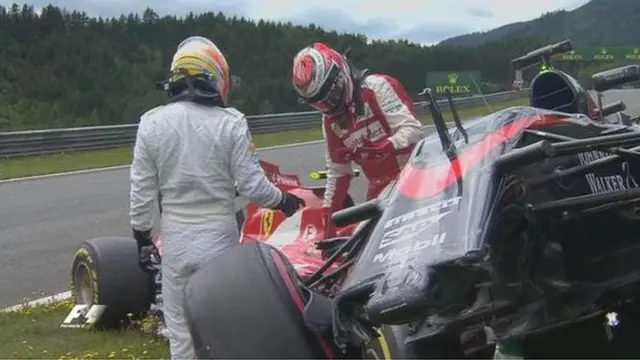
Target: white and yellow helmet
{"x":199,"y":57}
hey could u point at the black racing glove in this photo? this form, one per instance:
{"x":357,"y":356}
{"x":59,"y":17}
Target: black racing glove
{"x":145,"y":244}
{"x":289,"y":203}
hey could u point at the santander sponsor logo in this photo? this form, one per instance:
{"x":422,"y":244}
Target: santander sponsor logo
{"x":280,"y":179}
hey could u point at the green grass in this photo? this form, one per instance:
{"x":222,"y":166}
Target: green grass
{"x":35,"y":333}
{"x":81,"y":160}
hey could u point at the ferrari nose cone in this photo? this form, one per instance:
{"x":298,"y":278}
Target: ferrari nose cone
{"x":421,"y":292}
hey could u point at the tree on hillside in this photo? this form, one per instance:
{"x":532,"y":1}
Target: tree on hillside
{"x":63,"y":68}
{"x":596,"y":23}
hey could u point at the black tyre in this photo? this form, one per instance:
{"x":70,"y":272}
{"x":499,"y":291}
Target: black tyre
{"x":105,"y":271}
{"x":248,"y":303}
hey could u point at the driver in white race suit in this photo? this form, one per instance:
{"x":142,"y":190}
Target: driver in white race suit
{"x":367,"y":119}
{"x":191,"y":151}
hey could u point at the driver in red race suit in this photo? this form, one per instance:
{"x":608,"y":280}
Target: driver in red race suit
{"x":368,"y":119}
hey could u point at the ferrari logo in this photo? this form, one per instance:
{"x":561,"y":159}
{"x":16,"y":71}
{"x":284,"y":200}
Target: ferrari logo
{"x":267,"y":222}
{"x":310,"y":232}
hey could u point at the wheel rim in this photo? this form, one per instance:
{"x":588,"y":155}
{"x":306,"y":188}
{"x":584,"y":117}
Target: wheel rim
{"x":83,"y":285}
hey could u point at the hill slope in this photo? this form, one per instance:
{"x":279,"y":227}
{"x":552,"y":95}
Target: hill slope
{"x":584,"y":26}
{"x":62,"y":68}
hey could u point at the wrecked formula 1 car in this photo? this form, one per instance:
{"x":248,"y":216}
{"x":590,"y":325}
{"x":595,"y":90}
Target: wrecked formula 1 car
{"x":110,"y":289}
{"x":553,"y":89}
{"x":516,"y":223}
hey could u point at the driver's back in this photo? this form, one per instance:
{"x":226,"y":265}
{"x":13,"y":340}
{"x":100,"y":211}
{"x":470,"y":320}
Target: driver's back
{"x":191,"y":146}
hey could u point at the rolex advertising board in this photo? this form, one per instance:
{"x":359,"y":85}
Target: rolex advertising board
{"x":460,"y":83}
{"x":601,"y":53}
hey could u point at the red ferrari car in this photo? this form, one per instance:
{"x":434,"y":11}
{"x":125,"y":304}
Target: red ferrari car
{"x":296,"y":236}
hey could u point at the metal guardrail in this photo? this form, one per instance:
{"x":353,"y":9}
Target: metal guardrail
{"x":22,"y":143}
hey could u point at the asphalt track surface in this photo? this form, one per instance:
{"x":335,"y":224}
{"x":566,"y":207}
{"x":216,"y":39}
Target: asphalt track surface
{"x":42,"y":221}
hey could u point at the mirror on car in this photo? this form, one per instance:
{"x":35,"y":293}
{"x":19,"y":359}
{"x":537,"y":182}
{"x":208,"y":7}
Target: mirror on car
{"x":609,"y":79}
{"x":535,"y":56}
{"x":612,"y":108}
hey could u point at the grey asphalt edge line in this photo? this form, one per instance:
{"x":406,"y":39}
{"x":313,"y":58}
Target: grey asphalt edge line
{"x":41,"y":301}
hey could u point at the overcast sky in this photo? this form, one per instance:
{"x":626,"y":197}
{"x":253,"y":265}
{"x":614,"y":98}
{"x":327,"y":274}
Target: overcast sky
{"x":422,"y":21}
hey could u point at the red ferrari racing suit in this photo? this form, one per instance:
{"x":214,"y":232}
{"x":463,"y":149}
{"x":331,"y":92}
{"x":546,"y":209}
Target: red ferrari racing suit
{"x":380,"y":141}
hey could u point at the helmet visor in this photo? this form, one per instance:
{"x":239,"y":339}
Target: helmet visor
{"x":330,"y":97}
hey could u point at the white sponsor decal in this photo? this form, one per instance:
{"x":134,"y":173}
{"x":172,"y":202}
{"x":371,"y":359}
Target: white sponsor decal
{"x":605,"y":184}
{"x":403,"y":252}
{"x":609,"y":183}
{"x":279,"y":179}
{"x":409,"y":230}
{"x":407,"y":226}
{"x":372,"y":132}
{"x":83,"y":316}
{"x":393,"y":107}
{"x":425,"y":210}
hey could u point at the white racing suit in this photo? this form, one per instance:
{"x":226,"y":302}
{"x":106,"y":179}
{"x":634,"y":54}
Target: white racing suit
{"x":193,"y":154}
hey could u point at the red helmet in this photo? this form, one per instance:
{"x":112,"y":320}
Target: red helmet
{"x":322,"y":78}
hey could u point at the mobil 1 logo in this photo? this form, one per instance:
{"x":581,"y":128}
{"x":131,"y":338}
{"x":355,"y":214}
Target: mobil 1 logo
{"x":407,"y":226}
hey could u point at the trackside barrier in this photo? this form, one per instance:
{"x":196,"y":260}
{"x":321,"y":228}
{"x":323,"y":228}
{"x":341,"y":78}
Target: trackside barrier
{"x":21,"y":143}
